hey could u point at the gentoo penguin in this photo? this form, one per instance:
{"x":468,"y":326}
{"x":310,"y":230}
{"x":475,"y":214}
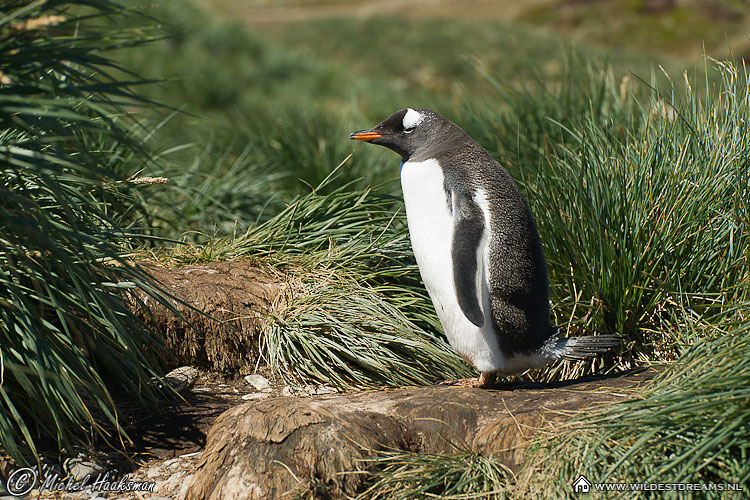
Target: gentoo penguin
{"x":477,"y":248}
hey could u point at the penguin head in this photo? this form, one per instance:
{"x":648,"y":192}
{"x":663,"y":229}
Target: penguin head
{"x":407,"y":132}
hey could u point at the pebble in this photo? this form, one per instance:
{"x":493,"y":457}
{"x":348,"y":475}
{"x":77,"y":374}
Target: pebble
{"x":173,"y":461}
{"x":182,"y":494}
{"x":78,"y":468}
{"x":324,"y":389}
{"x":202,"y":390}
{"x":182,"y":378}
{"x":254,"y":395}
{"x":307,"y":391}
{"x":260,"y":382}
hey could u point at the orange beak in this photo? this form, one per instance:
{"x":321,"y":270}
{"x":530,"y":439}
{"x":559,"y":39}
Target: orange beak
{"x":364,"y":135}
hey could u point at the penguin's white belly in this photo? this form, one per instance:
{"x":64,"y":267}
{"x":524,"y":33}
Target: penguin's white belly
{"x":431,"y":231}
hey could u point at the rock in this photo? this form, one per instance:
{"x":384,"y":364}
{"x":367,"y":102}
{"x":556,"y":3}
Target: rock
{"x":78,"y":468}
{"x":254,"y":395}
{"x":307,"y":391}
{"x":182,"y":493}
{"x":268,"y":448}
{"x":175,"y":463}
{"x":182,"y":378}
{"x":202,"y":390}
{"x":174,"y":486}
{"x":260,"y":382}
{"x":324,"y":389}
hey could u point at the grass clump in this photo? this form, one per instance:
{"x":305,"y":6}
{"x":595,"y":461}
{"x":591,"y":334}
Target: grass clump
{"x":465,"y":475}
{"x":354,"y":312}
{"x":640,"y":195}
{"x":346,"y":334}
{"x":690,"y":426}
{"x":68,"y":341}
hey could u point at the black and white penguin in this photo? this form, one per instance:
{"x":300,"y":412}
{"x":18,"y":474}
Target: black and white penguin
{"x":477,"y":248}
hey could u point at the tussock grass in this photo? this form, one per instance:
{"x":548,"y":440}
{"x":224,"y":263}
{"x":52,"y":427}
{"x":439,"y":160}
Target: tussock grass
{"x":640,"y":192}
{"x":281,"y":101}
{"x":328,"y":331}
{"x":354,"y":313}
{"x":67,"y":340}
{"x":463,"y":475}
{"x":690,"y":426}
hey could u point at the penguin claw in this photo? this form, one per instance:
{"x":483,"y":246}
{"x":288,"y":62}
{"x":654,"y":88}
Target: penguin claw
{"x":484,"y":381}
{"x":460,"y":382}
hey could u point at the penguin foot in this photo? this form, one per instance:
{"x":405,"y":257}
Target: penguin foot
{"x":461,"y":382}
{"x":486,"y":380}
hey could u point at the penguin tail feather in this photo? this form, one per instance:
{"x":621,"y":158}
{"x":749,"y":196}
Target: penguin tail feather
{"x":577,"y":348}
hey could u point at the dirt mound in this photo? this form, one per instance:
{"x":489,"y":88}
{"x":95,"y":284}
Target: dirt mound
{"x":265,"y":449}
{"x":224,"y":310}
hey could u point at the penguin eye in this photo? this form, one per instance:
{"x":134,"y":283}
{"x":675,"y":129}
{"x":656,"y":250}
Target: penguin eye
{"x":409,"y":130}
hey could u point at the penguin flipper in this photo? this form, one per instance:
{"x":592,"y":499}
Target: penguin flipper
{"x":468,"y":260}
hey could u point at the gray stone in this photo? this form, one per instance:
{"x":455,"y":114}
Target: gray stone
{"x":182,"y":378}
{"x":78,"y":468}
{"x":182,"y":494}
{"x":260,"y":382}
{"x":308,"y":390}
{"x":171,"y":463}
{"x":254,"y":395}
{"x":324,"y":389}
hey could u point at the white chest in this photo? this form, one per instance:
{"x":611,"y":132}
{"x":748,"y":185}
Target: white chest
{"x":431,"y":230}
{"x":430,"y":221}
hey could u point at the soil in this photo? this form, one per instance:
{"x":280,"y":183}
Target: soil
{"x":223,"y":307}
{"x":169,"y":443}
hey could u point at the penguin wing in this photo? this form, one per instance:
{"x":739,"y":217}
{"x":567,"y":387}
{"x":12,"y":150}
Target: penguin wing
{"x":468,"y":255}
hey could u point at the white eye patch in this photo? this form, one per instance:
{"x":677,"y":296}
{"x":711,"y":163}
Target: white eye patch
{"x":412,"y":119}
